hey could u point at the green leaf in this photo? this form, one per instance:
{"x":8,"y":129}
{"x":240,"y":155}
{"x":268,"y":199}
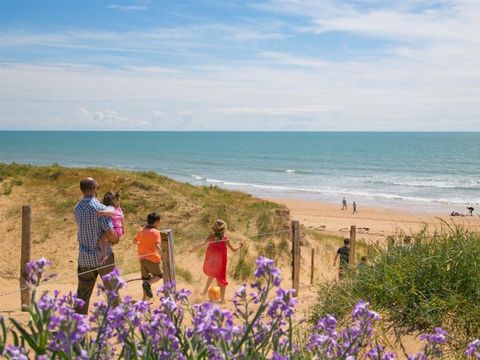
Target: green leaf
{"x":26,"y":336}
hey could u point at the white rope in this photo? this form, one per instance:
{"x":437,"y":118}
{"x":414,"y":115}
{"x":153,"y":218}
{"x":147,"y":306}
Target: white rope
{"x":254,"y":236}
{"x":57,"y":280}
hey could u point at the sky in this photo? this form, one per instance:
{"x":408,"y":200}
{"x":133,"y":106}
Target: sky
{"x":266,"y":65}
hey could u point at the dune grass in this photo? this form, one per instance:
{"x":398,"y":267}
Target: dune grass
{"x":435,"y":281}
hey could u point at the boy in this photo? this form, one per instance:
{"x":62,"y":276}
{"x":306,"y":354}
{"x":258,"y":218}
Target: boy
{"x":344,"y":254}
{"x":362,"y":265}
{"x":148,"y":246}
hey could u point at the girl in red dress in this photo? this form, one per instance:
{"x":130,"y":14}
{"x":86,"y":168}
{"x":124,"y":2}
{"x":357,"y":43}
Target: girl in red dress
{"x":215,"y":264}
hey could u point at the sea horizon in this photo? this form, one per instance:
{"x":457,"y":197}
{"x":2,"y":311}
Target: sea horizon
{"x":433,"y":171}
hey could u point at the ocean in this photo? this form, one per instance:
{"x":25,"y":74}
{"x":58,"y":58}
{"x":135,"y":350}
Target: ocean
{"x":427,"y":172}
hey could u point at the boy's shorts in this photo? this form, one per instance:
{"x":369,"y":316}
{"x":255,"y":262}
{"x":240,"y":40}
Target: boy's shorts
{"x":148,"y":268}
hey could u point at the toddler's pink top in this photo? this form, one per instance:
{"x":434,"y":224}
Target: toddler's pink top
{"x":117,"y":221}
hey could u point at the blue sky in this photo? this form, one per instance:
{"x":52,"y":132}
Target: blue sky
{"x":240,"y":65}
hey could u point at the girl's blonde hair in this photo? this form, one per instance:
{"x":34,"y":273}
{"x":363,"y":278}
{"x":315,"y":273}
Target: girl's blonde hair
{"x":218,"y":229}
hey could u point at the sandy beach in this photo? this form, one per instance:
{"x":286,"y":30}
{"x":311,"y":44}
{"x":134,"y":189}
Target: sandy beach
{"x":372,"y":223}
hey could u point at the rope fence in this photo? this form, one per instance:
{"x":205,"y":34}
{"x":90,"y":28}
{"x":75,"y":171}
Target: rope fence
{"x":116,"y":263}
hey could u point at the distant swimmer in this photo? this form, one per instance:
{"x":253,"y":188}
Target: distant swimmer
{"x":470,"y":210}
{"x":344,"y":204}
{"x":354,"y":204}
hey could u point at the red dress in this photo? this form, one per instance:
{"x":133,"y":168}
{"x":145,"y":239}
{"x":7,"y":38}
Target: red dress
{"x":215,"y":264}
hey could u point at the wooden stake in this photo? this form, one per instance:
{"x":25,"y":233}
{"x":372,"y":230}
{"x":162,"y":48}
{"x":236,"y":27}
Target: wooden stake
{"x":353,"y":236}
{"x":312,"y":265}
{"x":25,"y":255}
{"x":295,"y":256}
{"x":168,"y":261}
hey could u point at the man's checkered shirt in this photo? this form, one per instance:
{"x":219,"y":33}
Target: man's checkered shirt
{"x":90,"y":229}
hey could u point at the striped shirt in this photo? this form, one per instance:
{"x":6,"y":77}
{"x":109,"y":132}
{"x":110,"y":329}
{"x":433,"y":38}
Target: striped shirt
{"x":90,"y":229}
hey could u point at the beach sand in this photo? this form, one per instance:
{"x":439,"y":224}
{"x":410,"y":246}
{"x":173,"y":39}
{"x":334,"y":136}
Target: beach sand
{"x":373,"y":224}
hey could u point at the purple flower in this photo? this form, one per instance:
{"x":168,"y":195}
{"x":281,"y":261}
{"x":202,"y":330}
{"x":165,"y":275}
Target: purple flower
{"x":45,"y":303}
{"x":283,"y":305}
{"x":211,"y":323}
{"x":15,"y":353}
{"x":36,"y":272}
{"x":418,"y":356}
{"x":266,"y":267}
{"x":328,"y":325}
{"x":112,"y":283}
{"x":438,"y":337}
{"x":68,"y":328}
{"x":325,"y":339}
{"x":277,"y":356}
{"x":378,"y":353}
{"x":361,"y":311}
{"x":473,"y":349}
{"x":432,"y":348}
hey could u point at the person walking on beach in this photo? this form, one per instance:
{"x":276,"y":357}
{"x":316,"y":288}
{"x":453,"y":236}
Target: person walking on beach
{"x":148,"y":249}
{"x":470,"y":210}
{"x":215,"y":264}
{"x":90,"y":229}
{"x":344,"y":254}
{"x":344,"y":204}
{"x":354,"y":205}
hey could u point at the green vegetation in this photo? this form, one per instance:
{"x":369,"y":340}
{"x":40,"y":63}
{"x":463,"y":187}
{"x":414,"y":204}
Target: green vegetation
{"x":434,"y":281}
{"x":184,"y":273}
{"x":243,"y":265}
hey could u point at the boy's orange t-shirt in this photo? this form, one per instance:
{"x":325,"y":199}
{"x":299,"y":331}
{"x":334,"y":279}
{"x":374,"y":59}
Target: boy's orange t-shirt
{"x":147,"y":239}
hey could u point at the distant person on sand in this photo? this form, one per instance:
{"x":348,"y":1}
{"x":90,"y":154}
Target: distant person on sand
{"x":354,"y":205}
{"x":215,"y":264}
{"x":90,"y":230}
{"x":344,"y":204}
{"x":470,"y":210}
{"x":344,"y":254}
{"x":148,"y":249}
{"x":112,"y":200}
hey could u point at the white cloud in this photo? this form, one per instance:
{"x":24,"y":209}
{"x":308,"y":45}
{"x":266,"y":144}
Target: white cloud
{"x":384,"y":95}
{"x":107,"y":119}
{"x":139,"y":5}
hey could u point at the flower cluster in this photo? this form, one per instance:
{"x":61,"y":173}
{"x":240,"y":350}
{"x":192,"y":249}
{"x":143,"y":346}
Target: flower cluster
{"x":36,"y":272}
{"x":262,"y":326}
{"x":473,"y":349}
{"x":330,"y":343}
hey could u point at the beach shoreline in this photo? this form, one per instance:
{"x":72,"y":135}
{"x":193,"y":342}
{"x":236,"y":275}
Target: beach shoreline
{"x":373,"y":223}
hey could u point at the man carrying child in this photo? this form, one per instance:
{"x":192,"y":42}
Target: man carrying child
{"x":148,"y":247}
{"x":90,"y":229}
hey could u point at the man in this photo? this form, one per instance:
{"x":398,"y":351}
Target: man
{"x":344,"y":253}
{"x":90,"y":228}
{"x":354,"y":205}
{"x":344,"y":204}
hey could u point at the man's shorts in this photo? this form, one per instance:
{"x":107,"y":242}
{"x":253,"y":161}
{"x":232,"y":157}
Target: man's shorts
{"x":148,"y":268}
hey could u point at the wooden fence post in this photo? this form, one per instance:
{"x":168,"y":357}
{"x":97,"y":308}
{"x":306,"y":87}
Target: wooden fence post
{"x":25,"y":255}
{"x":168,"y":260}
{"x":295,"y":256}
{"x":312,"y":265}
{"x":353,"y":239}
